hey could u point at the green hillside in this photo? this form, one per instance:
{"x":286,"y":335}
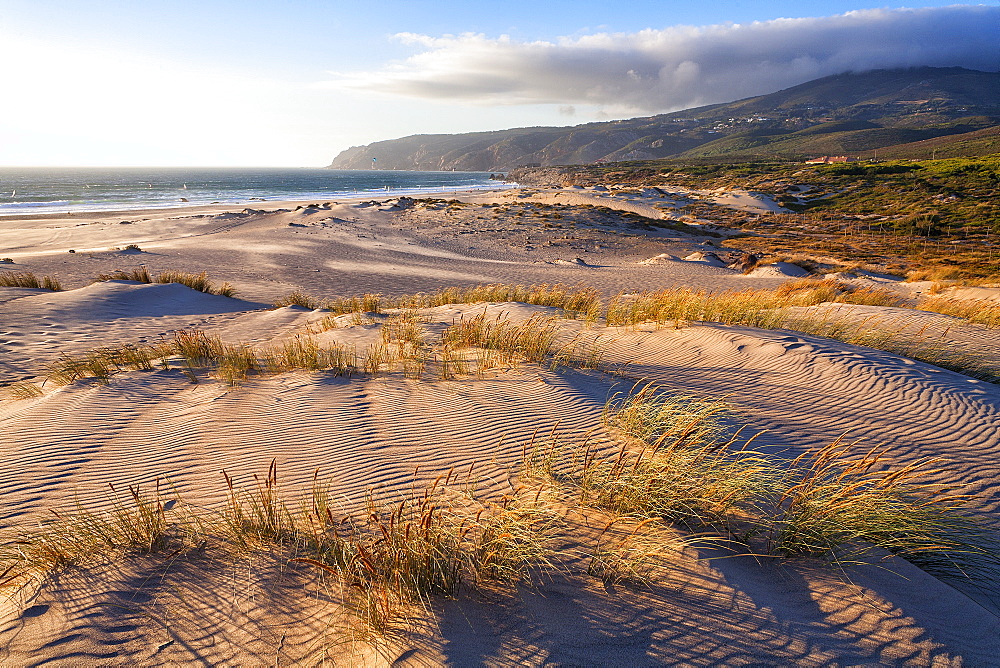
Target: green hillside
{"x":853,"y":113}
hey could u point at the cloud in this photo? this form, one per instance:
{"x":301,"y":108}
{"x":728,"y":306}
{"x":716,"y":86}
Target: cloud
{"x":685,"y":66}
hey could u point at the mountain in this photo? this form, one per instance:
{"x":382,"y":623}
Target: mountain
{"x":851,"y":113}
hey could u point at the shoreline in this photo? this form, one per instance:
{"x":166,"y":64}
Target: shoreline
{"x":223,"y":207}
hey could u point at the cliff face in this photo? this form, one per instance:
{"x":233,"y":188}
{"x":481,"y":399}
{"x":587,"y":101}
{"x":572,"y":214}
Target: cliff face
{"x":846,"y":113}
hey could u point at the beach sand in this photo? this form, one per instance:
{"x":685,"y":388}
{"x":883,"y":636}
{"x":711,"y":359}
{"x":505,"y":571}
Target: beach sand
{"x":394,"y":434}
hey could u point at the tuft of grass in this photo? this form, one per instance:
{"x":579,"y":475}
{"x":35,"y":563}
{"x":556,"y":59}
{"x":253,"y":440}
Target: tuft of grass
{"x":811,"y":291}
{"x":404,"y":327}
{"x":408,"y":550}
{"x":653,"y":415}
{"x":579,"y":300}
{"x":629,"y":556}
{"x":974,"y":310}
{"x":367,"y":303}
{"x":677,"y":462}
{"x":259,"y":517}
{"x":234,"y":363}
{"x":140,"y":274}
{"x":298,"y":298}
{"x":196,"y":347}
{"x":840,"y":506}
{"x":26,"y":279}
{"x":24,"y":389}
{"x":532,"y":340}
{"x":754,"y":308}
{"x":137,"y":525}
{"x":197,"y":282}
{"x":768,"y":310}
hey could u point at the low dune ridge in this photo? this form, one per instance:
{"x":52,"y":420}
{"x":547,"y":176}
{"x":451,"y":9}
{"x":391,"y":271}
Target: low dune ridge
{"x":474,"y":415}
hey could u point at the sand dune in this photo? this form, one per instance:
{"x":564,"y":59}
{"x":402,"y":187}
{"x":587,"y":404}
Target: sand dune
{"x":394,"y":434}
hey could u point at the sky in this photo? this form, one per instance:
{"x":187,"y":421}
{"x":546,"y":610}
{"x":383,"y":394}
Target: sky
{"x":292,"y":83}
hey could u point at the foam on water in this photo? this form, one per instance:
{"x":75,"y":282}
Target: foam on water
{"x":39,"y":190}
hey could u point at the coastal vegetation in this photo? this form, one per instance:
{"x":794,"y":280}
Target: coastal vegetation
{"x":927,"y":219}
{"x":199,"y":282}
{"x":480,"y":343}
{"x":672,"y":474}
{"x":26,"y":279}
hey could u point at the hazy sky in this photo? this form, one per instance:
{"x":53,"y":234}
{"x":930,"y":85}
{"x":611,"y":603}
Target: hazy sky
{"x":291,"y":82}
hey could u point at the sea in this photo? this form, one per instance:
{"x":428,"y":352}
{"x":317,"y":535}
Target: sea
{"x":42,"y":190}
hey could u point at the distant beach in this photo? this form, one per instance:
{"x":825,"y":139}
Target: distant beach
{"x":48,"y":190}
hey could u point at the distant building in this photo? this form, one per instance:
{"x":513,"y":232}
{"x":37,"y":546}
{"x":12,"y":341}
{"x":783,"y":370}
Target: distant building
{"x":828,"y":160}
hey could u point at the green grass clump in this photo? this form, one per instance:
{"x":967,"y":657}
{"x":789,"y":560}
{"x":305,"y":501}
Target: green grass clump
{"x":675,"y":461}
{"x":656,"y":416}
{"x":26,"y":279}
{"x":678,"y":461}
{"x":841,"y":506}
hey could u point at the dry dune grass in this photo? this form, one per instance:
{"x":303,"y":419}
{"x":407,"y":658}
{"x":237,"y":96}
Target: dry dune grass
{"x":677,"y":461}
{"x":756,"y":308}
{"x":673,"y":460}
{"x":574,"y":300}
{"x":770,"y":310}
{"x":392,"y":556}
{"x":199,"y":282}
{"x":973,"y":310}
{"x":26,"y":279}
{"x":468,"y":346}
{"x":478,"y":344}
{"x":140,"y":274}
{"x":810,"y":291}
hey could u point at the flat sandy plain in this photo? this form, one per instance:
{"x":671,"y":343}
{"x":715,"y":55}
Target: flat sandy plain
{"x":393,"y":433}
